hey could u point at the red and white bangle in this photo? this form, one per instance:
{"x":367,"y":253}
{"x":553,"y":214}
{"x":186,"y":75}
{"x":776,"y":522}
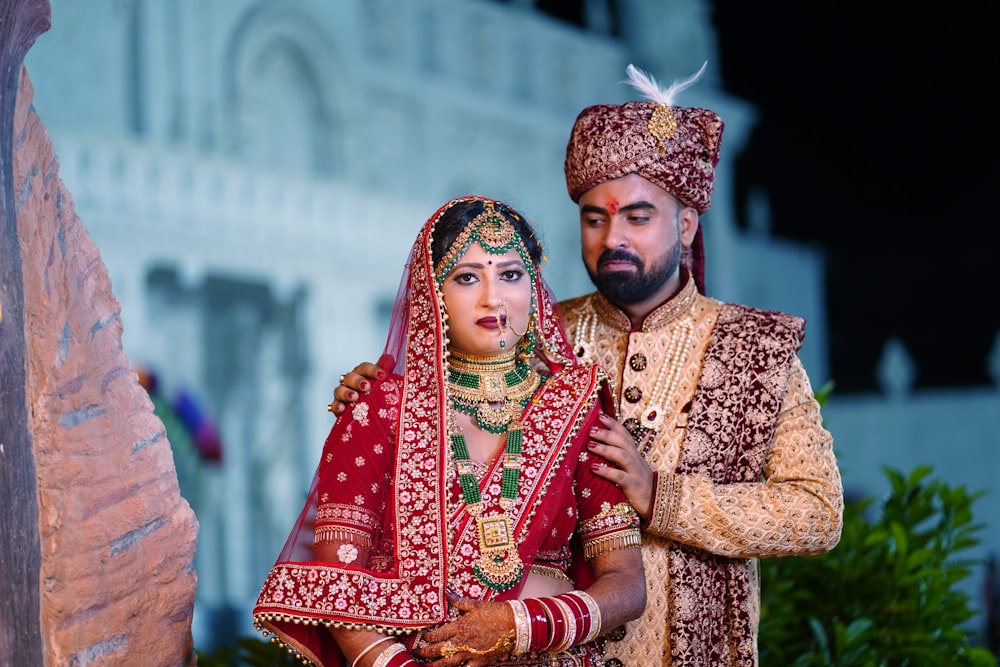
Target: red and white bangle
{"x":366,"y":650}
{"x":589,"y":620}
{"x":553,"y":624}
{"x":556,"y":613}
{"x":595,"y":615}
{"x":557,"y":629}
{"x":581,"y":613}
{"x":569,"y":625}
{"x":541,"y":632}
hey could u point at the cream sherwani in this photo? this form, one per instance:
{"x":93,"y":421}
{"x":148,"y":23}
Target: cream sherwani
{"x":796,"y":508}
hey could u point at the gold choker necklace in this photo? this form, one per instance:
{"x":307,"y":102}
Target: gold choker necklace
{"x":478,"y":384}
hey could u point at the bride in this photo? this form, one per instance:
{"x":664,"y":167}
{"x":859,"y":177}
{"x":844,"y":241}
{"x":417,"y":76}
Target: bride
{"x":455,"y":518}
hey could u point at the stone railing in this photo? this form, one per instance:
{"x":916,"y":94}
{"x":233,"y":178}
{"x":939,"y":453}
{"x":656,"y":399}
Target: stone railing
{"x":141,"y":186}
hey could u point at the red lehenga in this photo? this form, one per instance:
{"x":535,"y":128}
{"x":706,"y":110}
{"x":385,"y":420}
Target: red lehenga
{"x":386,"y":480}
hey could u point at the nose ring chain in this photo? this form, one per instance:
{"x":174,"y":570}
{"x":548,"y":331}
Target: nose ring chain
{"x":503,"y":322}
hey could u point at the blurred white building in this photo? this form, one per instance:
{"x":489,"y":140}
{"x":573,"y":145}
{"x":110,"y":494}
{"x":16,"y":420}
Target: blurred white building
{"x":254,"y":173}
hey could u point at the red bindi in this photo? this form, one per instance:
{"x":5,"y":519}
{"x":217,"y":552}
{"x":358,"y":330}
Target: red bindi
{"x":612,"y":205}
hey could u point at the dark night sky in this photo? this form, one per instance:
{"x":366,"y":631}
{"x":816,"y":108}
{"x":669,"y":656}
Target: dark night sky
{"x":878,"y":140}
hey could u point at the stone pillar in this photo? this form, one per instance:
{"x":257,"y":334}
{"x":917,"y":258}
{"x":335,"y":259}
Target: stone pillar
{"x":96,"y":543}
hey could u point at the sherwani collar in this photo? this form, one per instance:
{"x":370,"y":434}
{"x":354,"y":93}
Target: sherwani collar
{"x":664,"y":314}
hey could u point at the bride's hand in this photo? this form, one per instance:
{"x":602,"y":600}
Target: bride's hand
{"x":486,"y":627}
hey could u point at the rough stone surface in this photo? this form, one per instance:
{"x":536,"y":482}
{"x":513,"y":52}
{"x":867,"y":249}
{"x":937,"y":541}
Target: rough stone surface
{"x":117,"y":539}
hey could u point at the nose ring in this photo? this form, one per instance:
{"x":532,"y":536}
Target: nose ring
{"x":503,"y":323}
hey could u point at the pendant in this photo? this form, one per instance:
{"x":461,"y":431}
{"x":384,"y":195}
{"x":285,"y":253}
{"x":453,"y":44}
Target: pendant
{"x":652,"y":418}
{"x":499,"y":566}
{"x":494,"y":420}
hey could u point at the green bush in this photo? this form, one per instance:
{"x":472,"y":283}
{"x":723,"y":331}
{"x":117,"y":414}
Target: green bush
{"x":886,"y":595}
{"x":249,"y":652}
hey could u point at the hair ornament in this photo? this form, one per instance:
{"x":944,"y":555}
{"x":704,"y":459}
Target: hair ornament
{"x":493,"y":232}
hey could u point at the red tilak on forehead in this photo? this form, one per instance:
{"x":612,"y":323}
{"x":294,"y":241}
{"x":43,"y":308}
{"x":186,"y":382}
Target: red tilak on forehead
{"x":612,"y":205}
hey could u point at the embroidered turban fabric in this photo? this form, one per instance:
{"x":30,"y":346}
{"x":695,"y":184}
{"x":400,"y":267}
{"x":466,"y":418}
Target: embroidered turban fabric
{"x":676,"y":148}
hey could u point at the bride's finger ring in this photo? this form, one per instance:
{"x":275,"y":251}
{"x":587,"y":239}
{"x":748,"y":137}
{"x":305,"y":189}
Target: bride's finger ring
{"x":448,"y":649}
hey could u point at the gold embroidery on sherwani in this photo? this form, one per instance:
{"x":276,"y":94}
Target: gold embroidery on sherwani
{"x":613,"y":345}
{"x":687,"y":505}
{"x":734,"y":413}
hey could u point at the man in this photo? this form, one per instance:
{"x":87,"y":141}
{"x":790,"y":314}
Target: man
{"x":721,"y":448}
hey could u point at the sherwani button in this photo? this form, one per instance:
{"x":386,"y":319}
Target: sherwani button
{"x":637,"y":362}
{"x":633,"y":394}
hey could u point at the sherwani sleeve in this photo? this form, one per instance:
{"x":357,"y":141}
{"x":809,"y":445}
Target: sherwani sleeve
{"x":796,"y":509}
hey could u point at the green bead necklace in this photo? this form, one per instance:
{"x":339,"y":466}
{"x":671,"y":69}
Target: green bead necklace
{"x":493,"y":391}
{"x":499,"y":567}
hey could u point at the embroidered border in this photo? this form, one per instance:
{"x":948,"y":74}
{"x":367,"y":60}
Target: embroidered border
{"x":613,"y":529}
{"x":666,"y":496}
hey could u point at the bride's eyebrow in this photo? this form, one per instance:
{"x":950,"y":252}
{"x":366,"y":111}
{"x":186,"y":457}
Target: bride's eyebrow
{"x":468,"y":265}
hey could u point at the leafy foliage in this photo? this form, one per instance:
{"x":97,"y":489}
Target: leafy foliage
{"x":249,"y":652}
{"x":886,"y":595}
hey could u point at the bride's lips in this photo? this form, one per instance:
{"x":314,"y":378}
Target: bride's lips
{"x":488,"y":322}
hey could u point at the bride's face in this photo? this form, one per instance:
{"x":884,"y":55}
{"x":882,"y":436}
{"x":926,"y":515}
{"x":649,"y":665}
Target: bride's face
{"x":473,"y":293}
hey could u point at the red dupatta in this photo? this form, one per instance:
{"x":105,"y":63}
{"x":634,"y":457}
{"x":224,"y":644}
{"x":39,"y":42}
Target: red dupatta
{"x":406,"y":589}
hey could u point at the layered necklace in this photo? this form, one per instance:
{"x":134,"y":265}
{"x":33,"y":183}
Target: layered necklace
{"x":476,"y":385}
{"x":491,"y":390}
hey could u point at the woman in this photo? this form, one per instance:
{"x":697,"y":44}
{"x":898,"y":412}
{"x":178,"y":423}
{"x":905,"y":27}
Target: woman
{"x":453,"y":503}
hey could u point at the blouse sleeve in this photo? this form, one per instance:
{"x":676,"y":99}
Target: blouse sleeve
{"x":606,"y":521}
{"x":354,"y":477}
{"x":796,"y":509}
